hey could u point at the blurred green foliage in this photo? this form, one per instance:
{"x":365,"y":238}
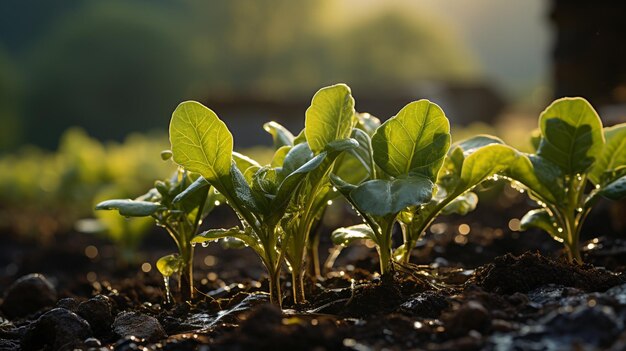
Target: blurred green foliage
{"x":119,"y":66}
{"x":44,"y":193}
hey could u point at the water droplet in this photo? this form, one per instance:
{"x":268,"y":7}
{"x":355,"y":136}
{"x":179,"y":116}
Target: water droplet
{"x":560,"y":230}
{"x":329,"y":202}
{"x":166,"y":282}
{"x":597,"y":186}
{"x":205,"y":244}
{"x":217,"y":203}
{"x":580,"y":209}
{"x":334,"y":189}
{"x":193,"y":244}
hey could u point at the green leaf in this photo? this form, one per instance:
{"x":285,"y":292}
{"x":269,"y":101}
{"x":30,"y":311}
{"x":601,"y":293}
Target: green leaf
{"x":279,"y":156}
{"x":169,"y":265}
{"x":613,"y":154}
{"x":571,"y":135}
{"x":386,"y":197}
{"x":201,"y":142}
{"x":217,"y":234}
{"x":476,"y":142}
{"x":345,"y":236}
{"x":281,"y":135}
{"x":486,"y":161}
{"x":540,"y":219}
{"x":198,"y":187}
{"x":288,"y":187}
{"x":615,"y":190}
{"x":539,"y":175}
{"x":295,"y":158}
{"x":330,"y":116}
{"x":244,"y":162}
{"x":243,"y":194}
{"x":367,"y":123}
{"x":130,"y":208}
{"x":415,"y":141}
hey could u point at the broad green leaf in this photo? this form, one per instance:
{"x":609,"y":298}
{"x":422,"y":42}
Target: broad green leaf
{"x":217,"y":234}
{"x":201,"y":142}
{"x":613,"y":154}
{"x":571,"y":135}
{"x":330,"y":116}
{"x":615,"y":190}
{"x":281,"y":135}
{"x":386,"y":197}
{"x":485,"y":162}
{"x":169,"y":265}
{"x":538,"y":175}
{"x":345,"y":236}
{"x":130,"y":208}
{"x":540,"y":219}
{"x":415,"y":141}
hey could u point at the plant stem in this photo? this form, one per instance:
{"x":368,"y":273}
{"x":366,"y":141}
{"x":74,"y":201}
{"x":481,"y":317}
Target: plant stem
{"x":276,"y":297}
{"x":297,"y":284}
{"x":313,"y":255}
{"x":384,"y":247}
{"x":186,"y":273}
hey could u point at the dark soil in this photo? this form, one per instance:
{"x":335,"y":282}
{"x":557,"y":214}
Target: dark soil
{"x":489,"y":290}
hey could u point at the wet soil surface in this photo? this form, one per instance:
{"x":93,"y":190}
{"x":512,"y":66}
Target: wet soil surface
{"x":489,"y":290}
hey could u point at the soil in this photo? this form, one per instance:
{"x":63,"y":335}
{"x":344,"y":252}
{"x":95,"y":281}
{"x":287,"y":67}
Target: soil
{"x":489,"y":290}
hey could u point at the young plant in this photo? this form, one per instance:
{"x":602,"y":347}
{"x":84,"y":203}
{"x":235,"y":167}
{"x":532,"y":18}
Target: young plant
{"x":467,"y":164}
{"x":573,"y":149}
{"x":328,"y":127}
{"x":353,"y":166}
{"x":260,"y":196}
{"x":178,"y":205}
{"x":407,"y":151}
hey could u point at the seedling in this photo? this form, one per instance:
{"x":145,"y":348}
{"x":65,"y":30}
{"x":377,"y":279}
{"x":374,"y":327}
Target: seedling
{"x":179,"y":205}
{"x":260,"y":196}
{"x":328,"y":127}
{"x":572,"y":150}
{"x":407,"y":151}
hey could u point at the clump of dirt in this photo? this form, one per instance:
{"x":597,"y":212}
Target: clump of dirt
{"x":509,"y":274}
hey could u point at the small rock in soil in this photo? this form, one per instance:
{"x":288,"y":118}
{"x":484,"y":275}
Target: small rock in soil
{"x":69,"y":303}
{"x":28,"y":295}
{"x":139,"y":325}
{"x":97,"y":311}
{"x":55,"y":329}
{"x":428,"y":304}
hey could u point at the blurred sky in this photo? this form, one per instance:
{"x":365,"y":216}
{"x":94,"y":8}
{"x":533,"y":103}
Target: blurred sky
{"x":113,"y":67}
